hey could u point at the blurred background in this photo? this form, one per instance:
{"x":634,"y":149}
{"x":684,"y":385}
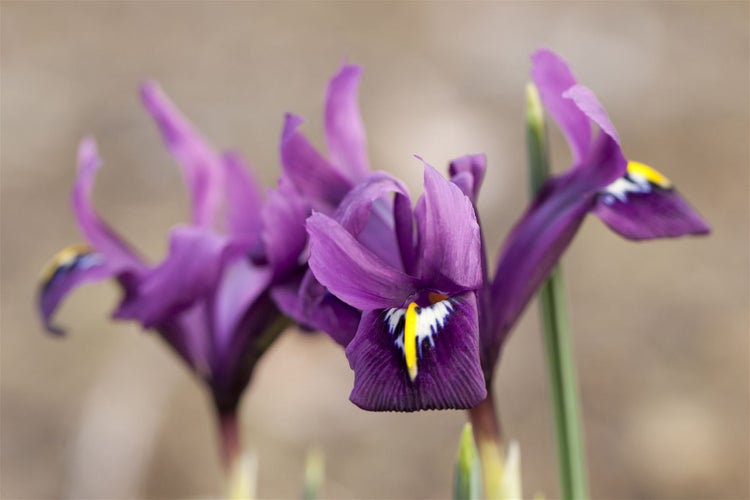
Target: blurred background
{"x":661,"y":328}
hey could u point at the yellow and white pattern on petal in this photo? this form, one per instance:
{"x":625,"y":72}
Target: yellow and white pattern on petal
{"x":412,"y":325}
{"x":640,"y":178}
{"x":80,"y":256}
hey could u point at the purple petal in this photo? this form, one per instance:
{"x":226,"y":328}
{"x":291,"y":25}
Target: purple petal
{"x":367,"y":213}
{"x":284,"y":235}
{"x":71,"y":267}
{"x":352,"y":272}
{"x":202,"y":167}
{"x":449,"y":237}
{"x":531,"y":250}
{"x":241,"y":284}
{"x":585,"y":99}
{"x":405,"y":233}
{"x":190,"y":273}
{"x":449,"y":374}
{"x":467,"y":172}
{"x":119,"y":257}
{"x":345,"y":133}
{"x":312,"y":306}
{"x":553,"y":77}
{"x":244,"y":201}
{"x":312,"y":175}
{"x":657,"y":213}
{"x":231,"y":370}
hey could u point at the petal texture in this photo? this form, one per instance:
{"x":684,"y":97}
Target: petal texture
{"x":449,"y":374}
{"x":467,"y":172}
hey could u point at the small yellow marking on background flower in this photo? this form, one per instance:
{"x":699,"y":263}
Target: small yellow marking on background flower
{"x":652,"y":175}
{"x":410,"y":340}
{"x":62,"y":258}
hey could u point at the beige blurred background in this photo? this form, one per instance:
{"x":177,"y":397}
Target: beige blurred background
{"x":661,"y":329}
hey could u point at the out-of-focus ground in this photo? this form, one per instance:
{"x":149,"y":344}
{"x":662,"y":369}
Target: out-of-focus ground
{"x":661,"y":329}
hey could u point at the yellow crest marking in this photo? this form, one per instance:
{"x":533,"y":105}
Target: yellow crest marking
{"x":63,"y":258}
{"x":410,"y":340}
{"x":652,"y":175}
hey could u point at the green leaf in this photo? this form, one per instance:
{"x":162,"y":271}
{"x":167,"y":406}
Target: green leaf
{"x":314,"y":473}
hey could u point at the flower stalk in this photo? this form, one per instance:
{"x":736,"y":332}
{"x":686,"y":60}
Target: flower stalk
{"x":229,"y":435}
{"x":488,"y":438}
{"x":557,"y":337}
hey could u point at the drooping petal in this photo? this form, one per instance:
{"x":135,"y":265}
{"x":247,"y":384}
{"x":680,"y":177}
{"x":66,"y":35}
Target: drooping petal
{"x":450,"y":245}
{"x":531,"y":250}
{"x":284,"y":235}
{"x":467,"y":172}
{"x":202,"y":167}
{"x":350,"y":271}
{"x":189,"y":274}
{"x":244,"y":201}
{"x":310,"y":173}
{"x":312,"y":306}
{"x":345,"y":132}
{"x":445,"y":352}
{"x":643,"y":205}
{"x":553,"y":77}
{"x":119,"y":257}
{"x":71,"y":267}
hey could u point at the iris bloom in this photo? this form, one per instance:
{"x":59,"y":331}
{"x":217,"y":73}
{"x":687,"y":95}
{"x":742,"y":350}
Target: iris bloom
{"x":209,"y":299}
{"x":416,"y":346}
{"x":633,"y":199}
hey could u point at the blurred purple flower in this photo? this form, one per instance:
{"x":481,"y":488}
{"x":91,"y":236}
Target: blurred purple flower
{"x":416,"y":347}
{"x":209,"y":299}
{"x":633,"y":199}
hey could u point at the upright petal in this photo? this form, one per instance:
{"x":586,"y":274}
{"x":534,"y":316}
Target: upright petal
{"x":467,"y":172}
{"x":367,"y":212}
{"x":313,"y":176}
{"x":553,"y":77}
{"x":345,"y":132}
{"x":202,"y":167}
{"x":284,"y":235}
{"x":352,"y":272}
{"x":447,"y":351}
{"x":119,"y":257}
{"x":643,"y":204}
{"x":586,"y":101}
{"x":244,"y":201}
{"x":449,"y":236}
{"x":71,"y":267}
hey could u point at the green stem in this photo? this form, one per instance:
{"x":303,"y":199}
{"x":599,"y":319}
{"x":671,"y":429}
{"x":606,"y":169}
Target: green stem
{"x":557,"y":336}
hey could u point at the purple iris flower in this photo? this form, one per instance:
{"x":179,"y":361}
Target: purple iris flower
{"x":209,"y":299}
{"x":633,"y":199}
{"x":417,"y":344}
{"x":319,"y":183}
